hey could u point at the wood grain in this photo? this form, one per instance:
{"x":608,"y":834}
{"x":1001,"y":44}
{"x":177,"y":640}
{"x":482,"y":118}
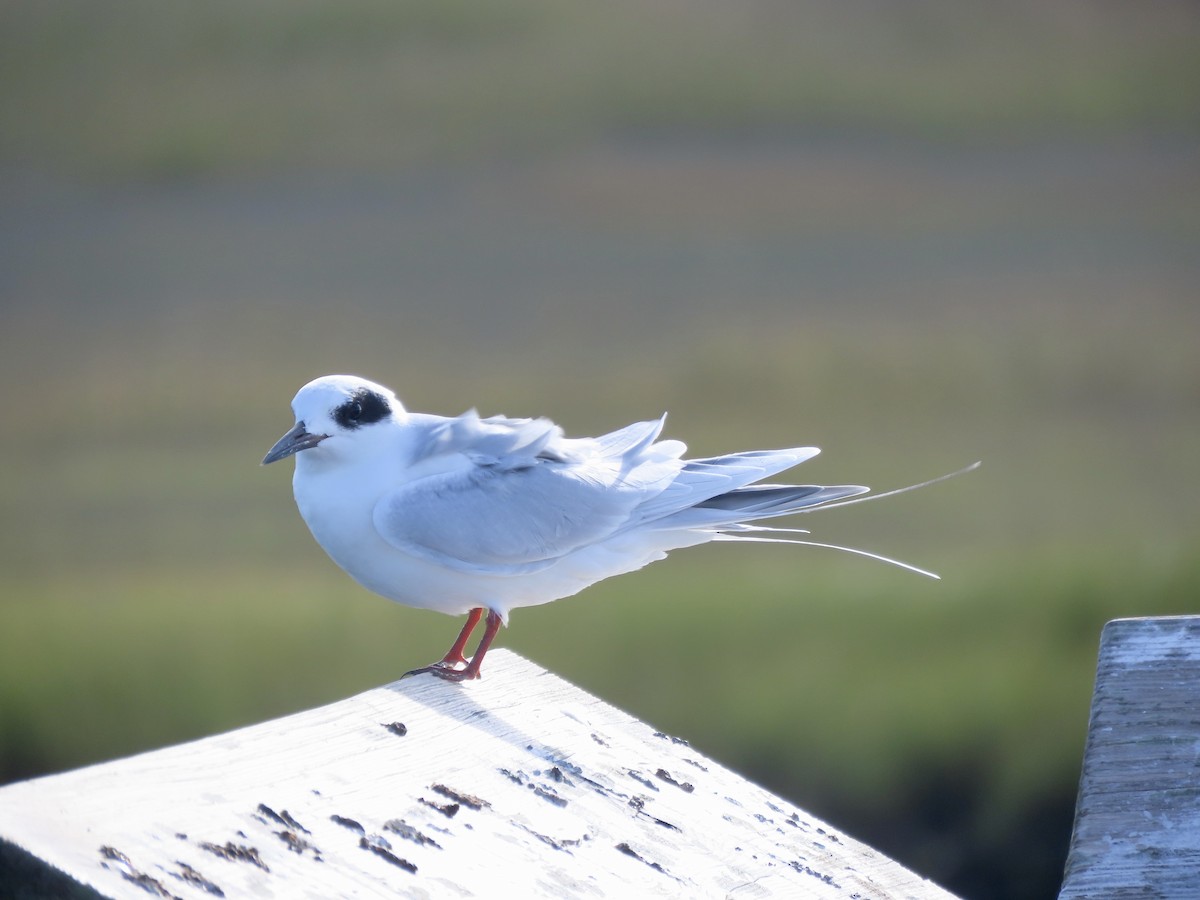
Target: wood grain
{"x":1137,"y":822}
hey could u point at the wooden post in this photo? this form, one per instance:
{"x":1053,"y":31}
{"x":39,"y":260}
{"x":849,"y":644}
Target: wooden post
{"x":1137,"y":822}
{"x":518,"y":785}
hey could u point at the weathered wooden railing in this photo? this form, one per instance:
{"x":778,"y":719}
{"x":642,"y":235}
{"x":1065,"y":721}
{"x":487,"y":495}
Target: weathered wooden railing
{"x":519,"y":785}
{"x":522,"y":785}
{"x":1137,"y":821}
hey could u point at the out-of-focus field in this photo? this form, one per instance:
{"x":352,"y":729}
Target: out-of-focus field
{"x":911,"y":238}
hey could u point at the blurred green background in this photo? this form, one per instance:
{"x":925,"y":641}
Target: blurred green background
{"x":913,"y":234}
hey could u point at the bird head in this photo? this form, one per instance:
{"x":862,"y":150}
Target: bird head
{"x":343,"y":410}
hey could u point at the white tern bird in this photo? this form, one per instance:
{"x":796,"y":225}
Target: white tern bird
{"x":479,"y":516}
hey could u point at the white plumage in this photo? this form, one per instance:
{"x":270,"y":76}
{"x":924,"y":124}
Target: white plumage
{"x":468,"y":515}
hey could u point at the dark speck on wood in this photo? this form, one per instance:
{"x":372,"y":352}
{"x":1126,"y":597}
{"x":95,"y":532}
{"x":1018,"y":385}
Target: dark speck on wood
{"x":547,"y":793}
{"x":399,"y":729}
{"x":382,"y":849}
{"x":807,"y":870}
{"x":114,"y":854}
{"x":297,"y":844}
{"x":270,"y":814}
{"x":640,"y":779}
{"x":402,"y":828}
{"x":194,"y":878}
{"x":466,"y":800}
{"x":564,"y":844}
{"x":235,"y":853}
{"x":682,"y":785}
{"x":129,"y":873}
{"x":639,"y":803}
{"x":449,"y":810}
{"x":348,"y":823}
{"x":629,"y":851}
{"x":283,"y":818}
{"x":671,"y":738}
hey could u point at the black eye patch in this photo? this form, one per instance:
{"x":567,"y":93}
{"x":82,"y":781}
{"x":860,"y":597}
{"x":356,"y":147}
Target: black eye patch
{"x":363,"y":408}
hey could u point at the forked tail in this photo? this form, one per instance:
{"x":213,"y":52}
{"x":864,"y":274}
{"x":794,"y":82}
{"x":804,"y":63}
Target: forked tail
{"x":741,"y":531}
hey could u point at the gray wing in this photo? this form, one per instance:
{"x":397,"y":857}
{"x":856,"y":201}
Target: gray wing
{"x":523,"y":496}
{"x":505,"y":522}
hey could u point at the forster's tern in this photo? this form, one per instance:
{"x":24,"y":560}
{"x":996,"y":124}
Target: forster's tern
{"x":481,"y":516}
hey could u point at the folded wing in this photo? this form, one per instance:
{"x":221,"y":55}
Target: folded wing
{"x":524,"y":496}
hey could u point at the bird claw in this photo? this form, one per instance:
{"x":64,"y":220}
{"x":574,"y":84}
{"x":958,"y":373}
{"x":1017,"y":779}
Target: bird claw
{"x":456,"y":667}
{"x":445,"y":671}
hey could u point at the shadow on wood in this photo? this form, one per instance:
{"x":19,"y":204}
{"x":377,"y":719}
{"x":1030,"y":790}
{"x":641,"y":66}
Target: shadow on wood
{"x":519,"y":784}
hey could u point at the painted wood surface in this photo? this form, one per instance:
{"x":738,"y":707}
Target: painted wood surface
{"x":1137,"y":823}
{"x":519,"y":785}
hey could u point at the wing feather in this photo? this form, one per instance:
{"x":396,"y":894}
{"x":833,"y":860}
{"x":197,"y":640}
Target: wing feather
{"x":702,"y":479}
{"x":514,"y":496}
{"x":516,"y":514}
{"x":496,"y":440}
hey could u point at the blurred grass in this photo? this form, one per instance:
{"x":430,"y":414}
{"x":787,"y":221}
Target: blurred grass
{"x":145,"y":545}
{"x":133,"y":87}
{"x":158,"y":585}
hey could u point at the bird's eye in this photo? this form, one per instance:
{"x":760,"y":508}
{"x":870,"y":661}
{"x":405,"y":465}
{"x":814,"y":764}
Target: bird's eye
{"x":362,"y":408}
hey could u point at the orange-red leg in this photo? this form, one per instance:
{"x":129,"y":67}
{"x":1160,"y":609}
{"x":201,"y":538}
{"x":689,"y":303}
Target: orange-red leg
{"x":447,"y":667}
{"x":455,"y":655}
